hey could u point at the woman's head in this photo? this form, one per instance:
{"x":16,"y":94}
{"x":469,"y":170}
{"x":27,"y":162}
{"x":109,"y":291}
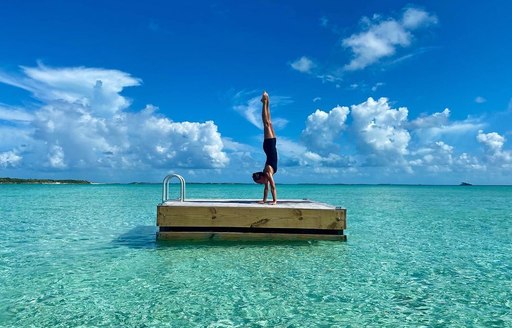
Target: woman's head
{"x":259,"y":177}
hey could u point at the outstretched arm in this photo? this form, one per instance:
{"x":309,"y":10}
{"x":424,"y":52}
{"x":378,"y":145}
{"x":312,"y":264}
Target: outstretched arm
{"x":272,"y":184}
{"x":265,"y":193}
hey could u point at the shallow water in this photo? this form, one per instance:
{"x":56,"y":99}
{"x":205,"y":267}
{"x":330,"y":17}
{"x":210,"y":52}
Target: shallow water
{"x":437,"y":256}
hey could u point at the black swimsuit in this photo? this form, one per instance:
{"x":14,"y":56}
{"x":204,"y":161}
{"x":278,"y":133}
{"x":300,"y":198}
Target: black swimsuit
{"x":269,"y":147}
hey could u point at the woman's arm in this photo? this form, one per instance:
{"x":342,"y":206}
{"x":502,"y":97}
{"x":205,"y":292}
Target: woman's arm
{"x":265,"y":193}
{"x":272,"y":188}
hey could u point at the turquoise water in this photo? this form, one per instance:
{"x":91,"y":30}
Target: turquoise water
{"x":73,"y":255}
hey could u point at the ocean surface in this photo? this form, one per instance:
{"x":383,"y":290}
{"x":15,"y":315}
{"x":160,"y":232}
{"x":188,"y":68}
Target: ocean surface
{"x":86,"y":256}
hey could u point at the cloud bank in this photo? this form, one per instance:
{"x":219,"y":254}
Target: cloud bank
{"x":373,"y":134}
{"x":83,"y":123}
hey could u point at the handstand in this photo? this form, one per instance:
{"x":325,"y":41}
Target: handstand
{"x":269,"y":147}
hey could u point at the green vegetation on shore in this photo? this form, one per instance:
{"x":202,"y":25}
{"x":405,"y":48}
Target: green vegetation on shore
{"x":40,"y":181}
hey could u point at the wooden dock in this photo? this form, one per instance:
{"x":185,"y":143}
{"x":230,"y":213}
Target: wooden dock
{"x":246,"y":219}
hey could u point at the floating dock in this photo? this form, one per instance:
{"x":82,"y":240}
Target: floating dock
{"x":246,"y":219}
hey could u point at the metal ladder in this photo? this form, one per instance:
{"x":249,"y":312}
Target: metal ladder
{"x":165,"y":186}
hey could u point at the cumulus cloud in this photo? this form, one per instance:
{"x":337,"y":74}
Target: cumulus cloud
{"x":83,"y":123}
{"x":298,"y":154}
{"x":9,"y":158}
{"x":381,"y":38}
{"x":493,"y":146}
{"x":492,"y":141}
{"x":303,"y":65}
{"x":429,"y":128}
{"x":384,"y":139}
{"x":441,"y":158}
{"x":380,"y":131}
{"x":184,"y":144}
{"x":323,"y":128}
{"x":436,"y":158}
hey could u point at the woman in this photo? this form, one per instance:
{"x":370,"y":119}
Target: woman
{"x":269,"y":147}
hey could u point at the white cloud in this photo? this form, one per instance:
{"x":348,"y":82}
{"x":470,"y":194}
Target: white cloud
{"x":184,"y":144}
{"x":430,"y":128}
{"x":324,"y":21}
{"x":15,"y":114}
{"x":382,"y":137}
{"x":436,"y":158}
{"x":381,"y":38}
{"x":381,"y":141}
{"x":292,"y":153}
{"x":480,"y":100}
{"x":492,"y":141}
{"x":251,"y":109}
{"x":440,"y":159}
{"x":83,"y":124}
{"x":379,"y":41}
{"x":332,"y":78}
{"x":431,"y":121}
{"x":380,"y":131}
{"x":307,"y":66}
{"x":469,"y":163}
{"x":414,"y":18}
{"x":74,"y":129}
{"x":98,"y":89}
{"x":303,"y":65}
{"x":56,"y":157}
{"x":323,"y":128}
{"x":14,"y":138}
{"x":377,"y":86}
{"x":9,"y":158}
{"x":493,"y":145}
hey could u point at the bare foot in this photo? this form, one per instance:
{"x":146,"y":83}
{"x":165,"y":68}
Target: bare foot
{"x":264,"y":97}
{"x":272,"y":203}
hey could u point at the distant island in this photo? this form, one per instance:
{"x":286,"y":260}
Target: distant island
{"x":40,"y":181}
{"x":465,"y":184}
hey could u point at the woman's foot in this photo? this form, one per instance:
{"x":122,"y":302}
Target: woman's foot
{"x":264,"y":97}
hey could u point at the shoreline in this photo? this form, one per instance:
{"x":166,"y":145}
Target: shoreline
{"x":41,"y":181}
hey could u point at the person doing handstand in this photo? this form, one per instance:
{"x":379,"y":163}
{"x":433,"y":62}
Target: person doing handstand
{"x":269,"y":147}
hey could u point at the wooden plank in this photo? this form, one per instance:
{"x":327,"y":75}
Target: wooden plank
{"x":248,"y":203}
{"x":228,"y":236}
{"x":261,"y":216}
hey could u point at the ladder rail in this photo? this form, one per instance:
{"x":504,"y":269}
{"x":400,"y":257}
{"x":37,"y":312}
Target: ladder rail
{"x":165,"y":187}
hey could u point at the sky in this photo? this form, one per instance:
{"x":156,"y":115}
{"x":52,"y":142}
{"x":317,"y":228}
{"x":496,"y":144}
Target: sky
{"x":368,"y":92}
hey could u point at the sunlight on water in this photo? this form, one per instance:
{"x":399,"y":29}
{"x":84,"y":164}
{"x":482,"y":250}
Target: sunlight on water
{"x":415,"y":256}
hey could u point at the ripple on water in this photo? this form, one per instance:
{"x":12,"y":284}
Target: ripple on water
{"x":415,"y":256}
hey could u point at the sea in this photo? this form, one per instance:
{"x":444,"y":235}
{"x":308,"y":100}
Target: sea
{"x":415,"y":256}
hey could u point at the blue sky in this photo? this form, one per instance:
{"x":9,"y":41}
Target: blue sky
{"x":378,"y":92}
